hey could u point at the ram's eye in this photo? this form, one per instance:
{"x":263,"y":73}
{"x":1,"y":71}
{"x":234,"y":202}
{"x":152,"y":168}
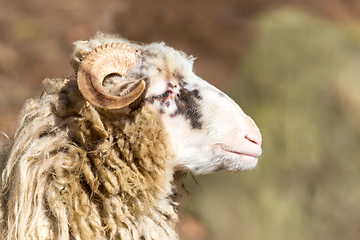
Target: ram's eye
{"x":164,"y":96}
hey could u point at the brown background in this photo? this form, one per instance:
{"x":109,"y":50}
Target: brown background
{"x":36,"y":41}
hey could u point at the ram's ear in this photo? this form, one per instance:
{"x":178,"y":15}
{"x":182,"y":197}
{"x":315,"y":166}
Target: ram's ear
{"x":103,"y":64}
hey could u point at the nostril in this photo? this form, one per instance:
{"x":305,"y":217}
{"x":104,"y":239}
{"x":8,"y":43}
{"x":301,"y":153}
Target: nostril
{"x":252,"y":132}
{"x":254,"y":138}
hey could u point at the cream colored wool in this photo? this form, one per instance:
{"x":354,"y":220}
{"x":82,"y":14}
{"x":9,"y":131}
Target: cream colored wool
{"x":75,"y":173}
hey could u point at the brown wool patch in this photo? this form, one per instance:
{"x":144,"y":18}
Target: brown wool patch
{"x":110,"y":174}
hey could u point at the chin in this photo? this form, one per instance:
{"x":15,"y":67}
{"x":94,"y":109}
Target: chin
{"x":236,"y":161}
{"x":241,"y":164}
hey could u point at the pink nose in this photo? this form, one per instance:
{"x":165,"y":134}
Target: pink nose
{"x":253,"y":133}
{"x":254,"y":138}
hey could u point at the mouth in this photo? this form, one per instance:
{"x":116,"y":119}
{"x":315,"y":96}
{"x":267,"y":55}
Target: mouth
{"x":253,"y":153}
{"x":238,"y":159}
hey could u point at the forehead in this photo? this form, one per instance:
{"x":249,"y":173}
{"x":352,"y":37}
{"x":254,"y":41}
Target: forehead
{"x":166,"y":57}
{"x":161,"y":62}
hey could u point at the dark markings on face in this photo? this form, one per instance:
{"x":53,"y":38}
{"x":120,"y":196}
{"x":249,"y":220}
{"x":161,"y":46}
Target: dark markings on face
{"x":167,"y":104}
{"x":196,"y":94}
{"x":137,"y":75}
{"x":163,"y":105}
{"x":148,"y":54}
{"x":187,"y":103}
{"x":144,"y":67}
{"x":150,"y":100}
{"x":179,"y":76}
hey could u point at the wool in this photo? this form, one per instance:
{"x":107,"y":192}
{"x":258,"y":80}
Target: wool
{"x":92,"y":169}
{"x":78,"y":173}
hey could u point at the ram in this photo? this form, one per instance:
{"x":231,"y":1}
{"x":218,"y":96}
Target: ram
{"x":100,"y":156}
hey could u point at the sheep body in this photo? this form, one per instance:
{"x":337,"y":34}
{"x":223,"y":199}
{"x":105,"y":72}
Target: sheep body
{"x":76,"y":171}
{"x":95,"y":191}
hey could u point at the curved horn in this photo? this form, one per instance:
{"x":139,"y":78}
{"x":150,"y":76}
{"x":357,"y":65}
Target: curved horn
{"x":117,"y":58}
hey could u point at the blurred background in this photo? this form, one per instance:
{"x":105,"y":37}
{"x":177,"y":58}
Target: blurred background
{"x":292,"y":65}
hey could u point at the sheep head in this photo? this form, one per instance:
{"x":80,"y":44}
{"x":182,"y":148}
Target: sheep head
{"x":208,"y":131}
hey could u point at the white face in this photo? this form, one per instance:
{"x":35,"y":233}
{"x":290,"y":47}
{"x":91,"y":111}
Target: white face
{"x":208,"y":130}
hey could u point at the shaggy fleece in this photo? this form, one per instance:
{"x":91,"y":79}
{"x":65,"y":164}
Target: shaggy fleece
{"x":78,"y":173}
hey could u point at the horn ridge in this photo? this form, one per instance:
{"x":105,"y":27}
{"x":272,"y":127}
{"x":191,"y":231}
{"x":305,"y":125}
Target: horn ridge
{"x":114,"y":58}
